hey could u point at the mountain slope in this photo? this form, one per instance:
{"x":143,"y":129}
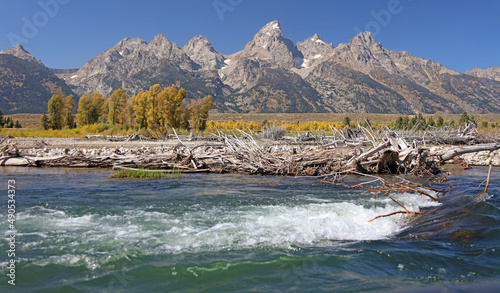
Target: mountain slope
{"x":26,"y":86}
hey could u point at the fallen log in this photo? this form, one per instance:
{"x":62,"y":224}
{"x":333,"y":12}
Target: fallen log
{"x":13,"y":161}
{"x":369,"y":153}
{"x":468,"y":149}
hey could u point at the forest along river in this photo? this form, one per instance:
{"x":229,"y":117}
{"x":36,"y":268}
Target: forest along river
{"x":79,"y":230}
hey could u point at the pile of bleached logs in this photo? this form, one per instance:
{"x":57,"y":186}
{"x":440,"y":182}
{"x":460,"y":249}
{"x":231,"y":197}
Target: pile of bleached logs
{"x":243,"y":154}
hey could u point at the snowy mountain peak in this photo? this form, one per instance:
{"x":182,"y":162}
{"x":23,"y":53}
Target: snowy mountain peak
{"x":273,"y":25}
{"x":314,"y":50}
{"x":271,"y":46}
{"x":317,"y":39}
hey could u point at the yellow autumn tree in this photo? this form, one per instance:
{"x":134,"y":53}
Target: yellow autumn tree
{"x":68,"y":104}
{"x":199,"y":112}
{"x":173,"y":109}
{"x":140,"y":110}
{"x":153,"y":105}
{"x":60,"y":110}
{"x":91,"y":109}
{"x":117,"y":107}
{"x":130,"y":113}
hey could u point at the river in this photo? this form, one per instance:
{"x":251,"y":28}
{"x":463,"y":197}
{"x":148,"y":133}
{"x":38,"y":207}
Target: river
{"x":80,"y":231}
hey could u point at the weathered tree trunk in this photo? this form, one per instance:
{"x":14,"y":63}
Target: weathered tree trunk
{"x":468,"y":149}
{"x":388,"y":162}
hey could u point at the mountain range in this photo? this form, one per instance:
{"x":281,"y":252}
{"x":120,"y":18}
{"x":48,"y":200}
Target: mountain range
{"x":272,"y":74}
{"x":26,"y":85}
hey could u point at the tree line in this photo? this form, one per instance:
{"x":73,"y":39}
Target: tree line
{"x":418,"y":122}
{"x":8,"y":122}
{"x":165,"y":107}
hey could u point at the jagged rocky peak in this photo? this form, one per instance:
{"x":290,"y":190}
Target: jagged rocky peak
{"x":272,"y":30}
{"x":268,"y":36}
{"x":201,"y":51}
{"x":21,"y":53}
{"x":363,"y":53}
{"x":131,"y":43}
{"x":127,"y":46}
{"x":160,"y":43}
{"x":314,"y":50}
{"x":365,"y":39}
{"x":162,"y":47}
{"x":363,"y":43}
{"x":271,"y":46}
{"x":491,"y":73}
{"x":317,"y":39}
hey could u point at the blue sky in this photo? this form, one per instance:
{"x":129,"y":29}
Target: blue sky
{"x":67,"y":33}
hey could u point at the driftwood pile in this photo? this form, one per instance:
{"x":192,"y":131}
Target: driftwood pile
{"x":343,"y":152}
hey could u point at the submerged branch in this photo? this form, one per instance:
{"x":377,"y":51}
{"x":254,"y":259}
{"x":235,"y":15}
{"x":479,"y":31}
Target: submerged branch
{"x":395,"y":213}
{"x":485,"y":192}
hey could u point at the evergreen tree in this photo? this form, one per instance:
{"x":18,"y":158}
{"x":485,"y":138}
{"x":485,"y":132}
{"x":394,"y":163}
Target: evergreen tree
{"x":8,"y":123}
{"x":431,"y":122}
{"x":413,"y":122}
{"x":1,"y":118}
{"x":399,"y":123}
{"x":406,"y":121}
{"x":440,"y":122}
{"x":346,"y":121}
{"x":421,"y":121}
{"x":463,"y":119}
{"x":367,"y":123}
{"x":17,"y":124}
{"x":45,"y":121}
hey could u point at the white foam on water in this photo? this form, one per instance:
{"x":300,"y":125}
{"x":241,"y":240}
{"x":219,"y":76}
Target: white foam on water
{"x":215,"y":228}
{"x":33,"y":213}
